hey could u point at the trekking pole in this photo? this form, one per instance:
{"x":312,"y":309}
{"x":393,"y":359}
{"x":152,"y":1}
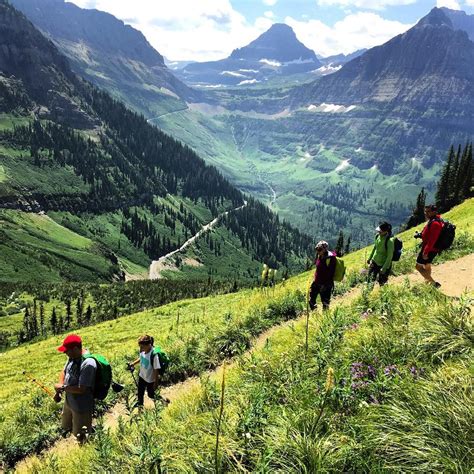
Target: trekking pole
{"x":131,"y":369}
{"x":40,"y":385}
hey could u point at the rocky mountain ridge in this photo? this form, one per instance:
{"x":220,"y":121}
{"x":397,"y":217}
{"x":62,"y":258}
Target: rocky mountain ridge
{"x":276,"y":52}
{"x":110,"y":54}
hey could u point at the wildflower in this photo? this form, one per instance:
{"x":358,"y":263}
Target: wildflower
{"x":416,"y":372}
{"x":390,"y":370}
{"x":329,"y":380}
{"x":354,"y":326}
{"x":374,"y":400}
{"x":371,"y":371}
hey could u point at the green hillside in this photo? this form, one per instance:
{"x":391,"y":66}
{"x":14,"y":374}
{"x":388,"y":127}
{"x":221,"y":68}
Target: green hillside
{"x":197,"y":334}
{"x":72,"y":152}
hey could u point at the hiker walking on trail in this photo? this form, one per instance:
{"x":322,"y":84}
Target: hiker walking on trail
{"x":323,"y":283}
{"x":149,"y":374}
{"x":429,"y":236}
{"x":77,"y":383}
{"x":380,"y":259}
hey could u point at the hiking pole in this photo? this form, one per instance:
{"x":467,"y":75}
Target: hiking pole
{"x":132,"y":369}
{"x":32,"y":379}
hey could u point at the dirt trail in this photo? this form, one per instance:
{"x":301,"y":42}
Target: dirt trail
{"x":456,"y":277}
{"x":157,"y":266}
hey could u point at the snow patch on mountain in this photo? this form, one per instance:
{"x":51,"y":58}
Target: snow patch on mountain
{"x":270,"y":62}
{"x":328,"y":69}
{"x":232,"y":73}
{"x":330,"y":108}
{"x":343,"y":165}
{"x":248,"y":81}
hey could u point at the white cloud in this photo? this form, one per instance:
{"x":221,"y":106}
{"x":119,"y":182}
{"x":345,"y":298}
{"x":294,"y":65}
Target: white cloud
{"x":269,"y":14}
{"x":453,"y":4}
{"x":355,"y":31}
{"x":370,"y":4}
{"x":270,"y":3}
{"x":185,"y":29}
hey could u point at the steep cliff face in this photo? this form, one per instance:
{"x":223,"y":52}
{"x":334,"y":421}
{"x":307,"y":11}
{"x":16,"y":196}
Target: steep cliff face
{"x":429,"y":66}
{"x":46,"y":78}
{"x":110,"y":54}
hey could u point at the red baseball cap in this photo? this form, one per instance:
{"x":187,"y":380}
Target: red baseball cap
{"x":70,"y":341}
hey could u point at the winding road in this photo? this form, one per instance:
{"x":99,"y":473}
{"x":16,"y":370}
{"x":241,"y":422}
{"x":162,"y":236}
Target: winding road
{"x":158,"y":265}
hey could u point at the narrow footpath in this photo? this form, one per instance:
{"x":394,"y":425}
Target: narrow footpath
{"x":456,"y":278}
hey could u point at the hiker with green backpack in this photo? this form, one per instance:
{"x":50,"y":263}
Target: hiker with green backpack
{"x":152,"y":364}
{"x":323,"y":283}
{"x":77,"y":382}
{"x":382,"y":254}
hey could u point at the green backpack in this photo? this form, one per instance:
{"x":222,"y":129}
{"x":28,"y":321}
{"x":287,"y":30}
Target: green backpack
{"x":340,"y":270}
{"x":162,"y":357}
{"x":103,"y":376}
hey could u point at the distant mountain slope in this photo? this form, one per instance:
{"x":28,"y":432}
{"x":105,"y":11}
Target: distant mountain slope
{"x":276,"y":52}
{"x":110,"y":54}
{"x":111,"y":177}
{"x":428,"y":66}
{"x":460,"y":21}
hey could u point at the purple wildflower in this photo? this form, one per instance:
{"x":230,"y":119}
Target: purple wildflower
{"x":371,"y":371}
{"x":390,"y":370}
{"x":374,"y":400}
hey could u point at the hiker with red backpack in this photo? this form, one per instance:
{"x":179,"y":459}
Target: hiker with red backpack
{"x":381,"y":256}
{"x":151,"y":367}
{"x":323,"y":283}
{"x":436,"y":236}
{"x":77,"y":382}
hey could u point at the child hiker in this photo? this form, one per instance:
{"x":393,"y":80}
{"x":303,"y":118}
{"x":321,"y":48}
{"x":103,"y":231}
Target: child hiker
{"x":148,"y":375}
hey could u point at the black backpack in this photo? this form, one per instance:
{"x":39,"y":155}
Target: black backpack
{"x":397,"y":248}
{"x":446,"y":236}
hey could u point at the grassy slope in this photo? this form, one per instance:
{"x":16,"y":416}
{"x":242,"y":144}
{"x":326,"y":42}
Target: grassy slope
{"x":35,"y":248}
{"x":203,"y":323}
{"x":329,"y":412}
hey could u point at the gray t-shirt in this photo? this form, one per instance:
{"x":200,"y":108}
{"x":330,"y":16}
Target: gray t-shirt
{"x":80,"y":372}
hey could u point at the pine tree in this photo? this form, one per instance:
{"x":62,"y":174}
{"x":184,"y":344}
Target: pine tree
{"x":455,"y":178}
{"x":467,"y":165}
{"x":79,"y":310}
{"x":348,"y":245}
{"x":41,"y":320}
{"x":418,"y":214}
{"x":88,"y":315}
{"x":26,"y":324}
{"x":67,"y":322}
{"x":442,"y":193}
{"x":54,"y":322}
{"x":340,"y":244}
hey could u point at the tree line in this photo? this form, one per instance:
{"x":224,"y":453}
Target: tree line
{"x":78,"y":305}
{"x":455,"y":184}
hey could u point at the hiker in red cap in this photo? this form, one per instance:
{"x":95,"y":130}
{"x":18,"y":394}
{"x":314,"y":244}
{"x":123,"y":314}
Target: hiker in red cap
{"x":77,"y":382}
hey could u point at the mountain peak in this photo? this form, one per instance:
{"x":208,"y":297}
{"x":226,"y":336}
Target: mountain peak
{"x":436,"y":17}
{"x":278,"y":43}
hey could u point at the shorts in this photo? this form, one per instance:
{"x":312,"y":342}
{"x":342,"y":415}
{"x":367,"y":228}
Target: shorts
{"x":422,"y":261}
{"x":76,"y":421}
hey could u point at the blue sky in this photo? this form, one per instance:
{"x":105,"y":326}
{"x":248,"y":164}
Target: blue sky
{"x":201,"y":30}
